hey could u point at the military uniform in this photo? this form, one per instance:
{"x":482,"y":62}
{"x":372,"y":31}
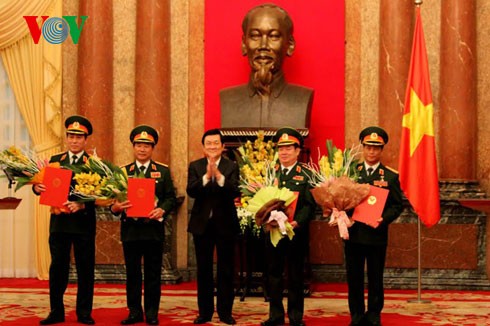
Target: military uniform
{"x":368,"y":244}
{"x":143,"y":238}
{"x":295,"y":250}
{"x":65,"y":230}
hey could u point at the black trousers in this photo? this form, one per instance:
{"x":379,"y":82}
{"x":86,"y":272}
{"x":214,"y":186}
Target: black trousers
{"x":225,"y":249}
{"x":152,"y":254}
{"x":84,"y":250}
{"x":293,"y":252}
{"x":356,"y":255}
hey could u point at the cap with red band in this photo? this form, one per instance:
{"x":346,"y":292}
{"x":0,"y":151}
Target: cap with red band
{"x":288,"y":136}
{"x":144,"y":134}
{"x":77,"y":124}
{"x":375,"y":136}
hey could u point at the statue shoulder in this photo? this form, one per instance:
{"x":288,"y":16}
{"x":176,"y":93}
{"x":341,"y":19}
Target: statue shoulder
{"x":300,"y":89}
{"x":234,"y":91}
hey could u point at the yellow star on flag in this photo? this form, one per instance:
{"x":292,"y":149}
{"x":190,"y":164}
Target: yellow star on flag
{"x":418,"y":120}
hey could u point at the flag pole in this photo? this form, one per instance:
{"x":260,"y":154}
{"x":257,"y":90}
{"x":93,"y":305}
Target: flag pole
{"x":418,"y":3}
{"x":419,"y":267}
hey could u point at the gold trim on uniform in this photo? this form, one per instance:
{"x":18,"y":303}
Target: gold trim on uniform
{"x":391,"y":169}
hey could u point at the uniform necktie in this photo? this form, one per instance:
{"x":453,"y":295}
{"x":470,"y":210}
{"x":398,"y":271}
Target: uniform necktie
{"x":142,"y":169}
{"x":370,"y":171}
{"x":74,"y":159}
{"x":285,"y":171}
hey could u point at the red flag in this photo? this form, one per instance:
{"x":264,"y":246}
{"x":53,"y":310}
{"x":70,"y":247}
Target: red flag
{"x":418,"y":166}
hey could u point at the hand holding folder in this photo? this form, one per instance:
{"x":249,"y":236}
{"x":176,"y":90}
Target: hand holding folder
{"x":141,"y":195}
{"x":57,"y":182}
{"x":371,"y":208}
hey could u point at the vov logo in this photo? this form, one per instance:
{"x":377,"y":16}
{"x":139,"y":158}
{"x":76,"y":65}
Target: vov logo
{"x":55,"y":30}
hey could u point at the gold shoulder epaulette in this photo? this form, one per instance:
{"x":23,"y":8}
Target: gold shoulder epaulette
{"x":123,"y":166}
{"x":160,"y":163}
{"x":391,"y":169}
{"x":59,"y":153}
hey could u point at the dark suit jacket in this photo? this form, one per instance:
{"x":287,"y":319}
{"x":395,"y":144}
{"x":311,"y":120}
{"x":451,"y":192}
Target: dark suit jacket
{"x":388,"y":179}
{"x":143,"y":228}
{"x":213,"y":198}
{"x":288,"y":105}
{"x":81,"y":222}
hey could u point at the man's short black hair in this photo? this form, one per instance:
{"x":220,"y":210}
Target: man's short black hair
{"x":211,"y":132}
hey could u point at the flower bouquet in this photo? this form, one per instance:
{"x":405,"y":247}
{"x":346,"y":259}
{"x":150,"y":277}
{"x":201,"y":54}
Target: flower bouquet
{"x":267,"y":202}
{"x":252,"y":158}
{"x":268,"y":206}
{"x":334,"y":185}
{"x":24,"y":168}
{"x":99,"y":180}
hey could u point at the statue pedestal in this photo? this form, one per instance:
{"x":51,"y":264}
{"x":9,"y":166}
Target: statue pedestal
{"x":236,"y":137}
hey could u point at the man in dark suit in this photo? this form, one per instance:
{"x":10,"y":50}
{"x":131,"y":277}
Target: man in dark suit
{"x":74,"y":225}
{"x":367,"y":244}
{"x":213,"y":182}
{"x":294,"y":176}
{"x":267,"y":100}
{"x":143,"y":237}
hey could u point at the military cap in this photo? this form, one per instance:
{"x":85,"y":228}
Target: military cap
{"x":77,"y":124}
{"x":375,"y":136}
{"x":288,"y":136}
{"x":144,"y":134}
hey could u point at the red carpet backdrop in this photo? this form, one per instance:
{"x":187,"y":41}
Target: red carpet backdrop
{"x":318,"y":60}
{"x":25,"y":302}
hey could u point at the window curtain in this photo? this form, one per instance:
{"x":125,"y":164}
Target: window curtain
{"x":34,"y":71}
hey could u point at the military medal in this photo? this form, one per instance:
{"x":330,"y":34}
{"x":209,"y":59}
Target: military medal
{"x":380,"y":183}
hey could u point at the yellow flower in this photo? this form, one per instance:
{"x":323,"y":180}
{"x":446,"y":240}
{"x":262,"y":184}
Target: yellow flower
{"x":324,"y":166}
{"x":338,"y":161}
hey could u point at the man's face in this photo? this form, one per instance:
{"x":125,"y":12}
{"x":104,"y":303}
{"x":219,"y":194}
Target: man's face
{"x":142,"y":152}
{"x":288,"y":155}
{"x":75,"y":142}
{"x":213,"y":147}
{"x":372,"y":154}
{"x":266,"y":40}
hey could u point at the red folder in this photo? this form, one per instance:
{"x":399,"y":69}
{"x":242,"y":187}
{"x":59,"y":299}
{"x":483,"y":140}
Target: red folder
{"x":291,"y":209}
{"x":371,"y":208}
{"x":141,"y":194}
{"x":57,"y":182}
